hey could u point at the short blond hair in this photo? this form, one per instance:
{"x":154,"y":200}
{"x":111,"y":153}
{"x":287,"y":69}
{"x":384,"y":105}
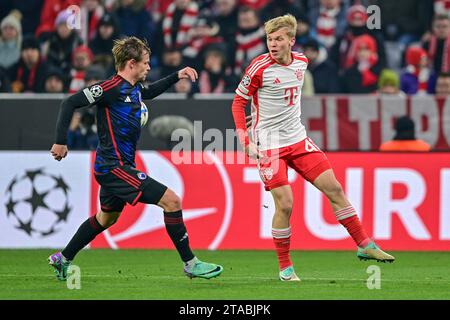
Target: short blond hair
{"x":287,"y":21}
{"x":128,"y":48}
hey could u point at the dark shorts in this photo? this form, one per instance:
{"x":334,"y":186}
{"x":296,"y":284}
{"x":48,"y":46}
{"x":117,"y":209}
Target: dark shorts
{"x":126,"y":184}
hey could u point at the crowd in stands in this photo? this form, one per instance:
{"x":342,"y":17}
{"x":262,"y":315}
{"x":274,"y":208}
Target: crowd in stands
{"x":43,"y":48}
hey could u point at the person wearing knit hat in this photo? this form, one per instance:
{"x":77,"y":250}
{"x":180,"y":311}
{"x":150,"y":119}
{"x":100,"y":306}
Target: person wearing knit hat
{"x":103,"y":42}
{"x":28,"y":74}
{"x":357,"y":15}
{"x":81,"y":60}
{"x":54,"y":82}
{"x":62,"y":42}
{"x":405,"y":138}
{"x":362,"y":75}
{"x":343,"y":51}
{"x":417,"y":76}
{"x":10,"y":39}
{"x":389,"y":83}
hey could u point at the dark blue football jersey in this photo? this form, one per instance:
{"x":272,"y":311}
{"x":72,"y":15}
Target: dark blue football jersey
{"x":118,"y":117}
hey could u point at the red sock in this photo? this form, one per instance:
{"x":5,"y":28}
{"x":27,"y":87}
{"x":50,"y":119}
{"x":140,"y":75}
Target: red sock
{"x":282,"y":241}
{"x":348,"y":218}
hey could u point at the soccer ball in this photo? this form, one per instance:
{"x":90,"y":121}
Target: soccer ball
{"x":144,"y":114}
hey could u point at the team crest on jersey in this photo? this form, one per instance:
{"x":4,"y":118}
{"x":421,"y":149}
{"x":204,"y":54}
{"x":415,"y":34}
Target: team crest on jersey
{"x":96,"y":91}
{"x":299,"y":74}
{"x":266,"y":174}
{"x":246,"y":80}
{"x":142,"y":175}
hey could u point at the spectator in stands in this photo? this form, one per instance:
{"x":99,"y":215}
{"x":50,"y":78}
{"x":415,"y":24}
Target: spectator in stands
{"x":362,"y":76}
{"x":443,"y":84}
{"x":442,"y":7}
{"x":91,"y":11}
{"x":404,"y":21}
{"x":417,"y":76}
{"x":275,"y":8}
{"x":28,"y":74}
{"x":250,"y":39}
{"x":10,"y":40}
{"x":157,"y":8}
{"x":254,"y":4}
{"x":324,"y":72}
{"x":5,"y":83}
{"x":213,"y":77}
{"x":134,"y":20}
{"x":81,"y":60}
{"x":405,"y":138}
{"x":94,"y":74}
{"x":225,"y":13}
{"x":103,"y":42}
{"x":82,"y":133}
{"x":172,"y":60}
{"x":204,"y":34}
{"x":304,"y":32}
{"x":438,"y":46}
{"x":48,"y":15}
{"x":179,"y":18}
{"x":343,"y":50}
{"x":29,"y":11}
{"x":328,"y":21}
{"x":308,"y":89}
{"x":62,"y":43}
{"x":54,"y":82}
{"x":389,"y":83}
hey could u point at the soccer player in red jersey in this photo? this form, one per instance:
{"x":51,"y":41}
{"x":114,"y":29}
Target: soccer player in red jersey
{"x":273,"y":82}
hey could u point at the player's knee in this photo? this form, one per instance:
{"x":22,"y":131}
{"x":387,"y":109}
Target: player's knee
{"x":173,"y":203}
{"x":285,"y":207}
{"x":107,"y":219}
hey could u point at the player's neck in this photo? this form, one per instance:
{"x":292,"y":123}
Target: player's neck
{"x":285,"y":60}
{"x":127,"y":77}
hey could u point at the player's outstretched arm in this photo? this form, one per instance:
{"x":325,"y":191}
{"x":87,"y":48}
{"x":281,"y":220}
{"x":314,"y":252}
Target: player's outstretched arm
{"x":158,"y":87}
{"x":78,"y":100}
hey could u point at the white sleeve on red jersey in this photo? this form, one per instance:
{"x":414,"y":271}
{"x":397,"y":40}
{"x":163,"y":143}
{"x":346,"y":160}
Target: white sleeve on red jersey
{"x":300,"y":56}
{"x":251,"y":80}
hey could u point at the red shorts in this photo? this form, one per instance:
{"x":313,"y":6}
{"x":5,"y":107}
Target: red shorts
{"x":304,"y":157}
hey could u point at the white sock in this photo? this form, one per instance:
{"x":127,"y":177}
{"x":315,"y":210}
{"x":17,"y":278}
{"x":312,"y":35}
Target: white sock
{"x":191,"y":262}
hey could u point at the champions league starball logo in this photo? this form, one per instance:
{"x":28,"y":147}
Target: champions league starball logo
{"x":37,"y":203}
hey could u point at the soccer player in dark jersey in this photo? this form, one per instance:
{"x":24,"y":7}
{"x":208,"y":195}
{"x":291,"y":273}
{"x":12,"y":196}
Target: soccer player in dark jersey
{"x":118,"y":102}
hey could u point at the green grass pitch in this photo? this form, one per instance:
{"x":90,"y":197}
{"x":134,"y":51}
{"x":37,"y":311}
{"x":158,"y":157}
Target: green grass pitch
{"x":157,"y":274}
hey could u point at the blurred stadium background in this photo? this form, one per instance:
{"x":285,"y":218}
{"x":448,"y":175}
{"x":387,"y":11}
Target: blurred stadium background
{"x":360,"y":81}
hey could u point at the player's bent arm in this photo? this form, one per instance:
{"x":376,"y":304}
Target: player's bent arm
{"x":160,"y":86}
{"x":68,"y":106}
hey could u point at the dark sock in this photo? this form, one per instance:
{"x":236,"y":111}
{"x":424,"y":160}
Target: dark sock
{"x":85,"y":234}
{"x":177,"y":232}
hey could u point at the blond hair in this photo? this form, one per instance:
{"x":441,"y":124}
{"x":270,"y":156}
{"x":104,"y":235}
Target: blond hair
{"x":287,"y":21}
{"x":127,"y":49}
